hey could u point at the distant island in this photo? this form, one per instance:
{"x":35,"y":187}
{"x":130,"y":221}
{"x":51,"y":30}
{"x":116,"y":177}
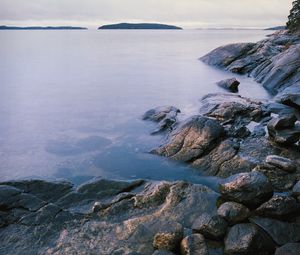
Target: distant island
{"x":276,"y":28}
{"x":140,"y":26}
{"x":42,"y":28}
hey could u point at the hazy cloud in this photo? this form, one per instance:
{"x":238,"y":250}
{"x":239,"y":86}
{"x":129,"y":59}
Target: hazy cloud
{"x":188,"y":13}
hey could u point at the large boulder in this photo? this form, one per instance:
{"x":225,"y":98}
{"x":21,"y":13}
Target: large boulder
{"x":194,"y":138}
{"x":250,"y":189}
{"x":248,"y":239}
{"x":231,"y":108}
{"x":279,"y":206}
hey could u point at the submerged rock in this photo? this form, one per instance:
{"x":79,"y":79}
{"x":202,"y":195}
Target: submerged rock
{"x":230,"y":84}
{"x":165,"y":116}
{"x":250,"y":189}
{"x":248,"y":239}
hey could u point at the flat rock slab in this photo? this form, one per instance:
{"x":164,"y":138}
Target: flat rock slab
{"x":100,"y":217}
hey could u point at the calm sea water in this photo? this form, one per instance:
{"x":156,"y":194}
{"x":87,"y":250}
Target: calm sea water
{"x":71,"y":101}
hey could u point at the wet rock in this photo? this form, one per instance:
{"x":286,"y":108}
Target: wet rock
{"x":231,"y":108}
{"x":286,"y":136}
{"x":283,"y":163}
{"x":233,"y":212}
{"x":280,"y":231}
{"x":274,"y":65}
{"x":225,"y":55}
{"x":282,"y":122}
{"x":165,"y":116}
{"x":213,"y":227}
{"x":292,"y":100}
{"x":280,"y":180}
{"x":288,"y":249}
{"x":250,"y":189}
{"x":192,"y":139}
{"x":280,"y":207}
{"x":280,"y":109}
{"x":194,"y":245}
{"x":169,"y":236}
{"x":230,"y":84}
{"x":296,"y":189}
{"x":248,"y":239}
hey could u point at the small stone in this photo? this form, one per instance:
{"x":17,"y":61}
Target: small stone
{"x":279,"y":207}
{"x":213,"y":227}
{"x":168,"y":237}
{"x":194,"y":245}
{"x":233,"y":212}
{"x":296,"y":190}
{"x":230,"y":84}
{"x":281,"y":162}
{"x":248,"y":239}
{"x":288,"y":249}
{"x":250,"y":189}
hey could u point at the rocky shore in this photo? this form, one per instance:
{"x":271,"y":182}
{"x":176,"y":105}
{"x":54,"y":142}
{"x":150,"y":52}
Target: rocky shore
{"x":252,"y":144}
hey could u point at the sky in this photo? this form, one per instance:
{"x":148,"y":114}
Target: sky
{"x":185,"y":13}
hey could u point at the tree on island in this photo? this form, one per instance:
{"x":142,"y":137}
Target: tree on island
{"x":293,"y":23}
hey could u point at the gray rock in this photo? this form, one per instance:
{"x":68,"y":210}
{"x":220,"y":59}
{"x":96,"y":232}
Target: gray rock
{"x":283,"y":163}
{"x":292,"y":100}
{"x":213,"y":227}
{"x":129,"y":221}
{"x":231,"y":108}
{"x":296,"y":189}
{"x":169,"y":236}
{"x":280,"y":231}
{"x":194,"y":245}
{"x":192,"y":139}
{"x":274,"y":65}
{"x":165,"y":116}
{"x":233,"y":212}
{"x":288,"y":249}
{"x":286,"y":136}
{"x":280,"y":180}
{"x":248,"y":239}
{"x":282,"y":122}
{"x":280,"y":207}
{"x":230,"y":84}
{"x":250,"y":189}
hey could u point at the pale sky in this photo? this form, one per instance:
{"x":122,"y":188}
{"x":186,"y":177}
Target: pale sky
{"x":185,"y":13}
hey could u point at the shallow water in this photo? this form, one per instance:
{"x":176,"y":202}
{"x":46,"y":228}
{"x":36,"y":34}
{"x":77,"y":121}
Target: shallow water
{"x":71,"y":101}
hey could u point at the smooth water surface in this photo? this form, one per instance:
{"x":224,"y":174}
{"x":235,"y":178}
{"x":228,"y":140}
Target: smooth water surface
{"x":71,"y":101}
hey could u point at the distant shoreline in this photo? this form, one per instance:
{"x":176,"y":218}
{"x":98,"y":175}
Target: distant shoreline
{"x":42,"y":28}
